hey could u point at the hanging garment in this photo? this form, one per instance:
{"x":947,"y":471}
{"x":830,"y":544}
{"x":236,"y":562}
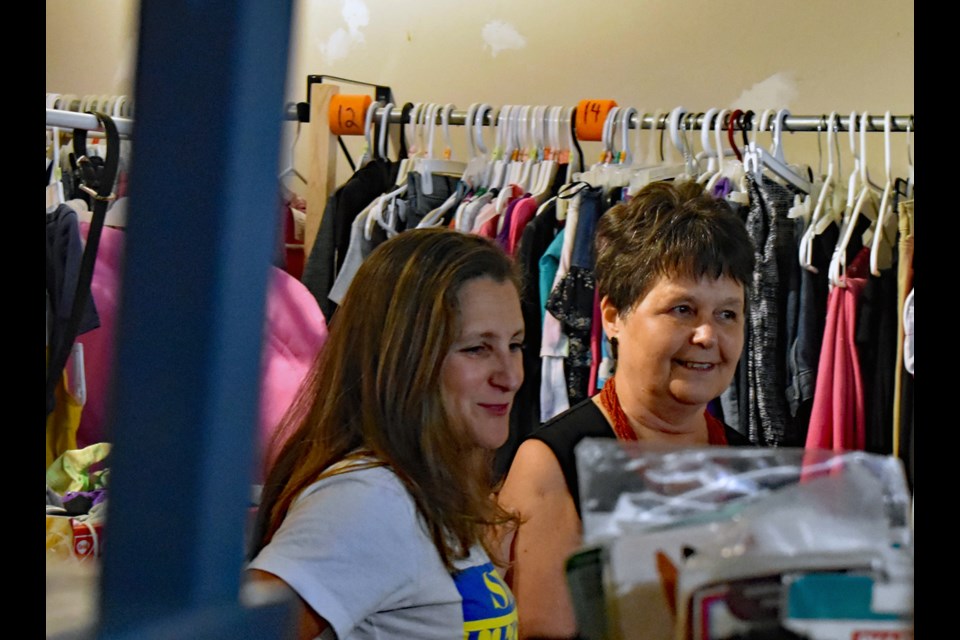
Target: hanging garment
{"x":360,"y":247}
{"x":572,"y":300}
{"x":775,"y":250}
{"x":64,"y":251}
{"x":555,"y":345}
{"x":838,"y":421}
{"x":876,"y":340}
{"x":904,"y":285}
{"x":63,"y":422}
{"x":804,"y":352}
{"x":290,"y":255}
{"x":294,"y":332}
{"x":420,"y":203}
{"x":333,"y":235}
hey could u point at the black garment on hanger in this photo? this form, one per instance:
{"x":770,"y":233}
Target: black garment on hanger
{"x":333,"y":236}
{"x":98,"y":180}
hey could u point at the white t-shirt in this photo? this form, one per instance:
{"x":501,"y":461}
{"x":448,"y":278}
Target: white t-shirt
{"x":353,"y":547}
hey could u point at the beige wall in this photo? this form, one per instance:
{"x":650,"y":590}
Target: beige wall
{"x":811,"y":57}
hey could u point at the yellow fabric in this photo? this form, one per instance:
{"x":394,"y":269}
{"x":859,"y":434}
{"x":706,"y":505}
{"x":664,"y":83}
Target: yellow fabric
{"x":70,"y":472}
{"x":904,"y":271}
{"x":59,"y":536}
{"x":63,"y":422}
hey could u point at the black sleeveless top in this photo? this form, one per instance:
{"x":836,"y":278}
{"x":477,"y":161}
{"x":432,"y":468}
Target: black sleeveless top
{"x":585,"y":420}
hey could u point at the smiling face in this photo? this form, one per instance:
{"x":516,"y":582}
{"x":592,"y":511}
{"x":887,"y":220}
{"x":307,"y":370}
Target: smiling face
{"x":483,"y":369}
{"x":679,"y":346}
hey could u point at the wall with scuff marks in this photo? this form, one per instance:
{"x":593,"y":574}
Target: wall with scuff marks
{"x":810,"y":57}
{"x":656,"y":54}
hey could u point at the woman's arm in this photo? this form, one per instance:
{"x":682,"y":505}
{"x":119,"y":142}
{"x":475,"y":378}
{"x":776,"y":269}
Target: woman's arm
{"x":548,"y":534}
{"x":309,"y":623}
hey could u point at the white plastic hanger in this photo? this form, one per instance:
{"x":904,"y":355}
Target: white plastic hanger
{"x":547,"y":167}
{"x":552,"y":156}
{"x":483,"y":111}
{"x":637,"y":157}
{"x":435,"y":216}
{"x":679,"y":141}
{"x":384,"y":126}
{"x":597,"y":174}
{"x":712,"y":155}
{"x":669,"y":169}
{"x":407,"y":130}
{"x":538,"y":145}
{"x":763,"y":124}
{"x":725,"y":169}
{"x":526,"y":148}
{"x":443,"y":165}
{"x":369,"y":148}
{"x":884,"y":237}
{"x":909,"y":158}
{"x":622,"y":169}
{"x":655,"y":150}
{"x":290,"y":169}
{"x":825,"y":211}
{"x":119,"y":106}
{"x":566,"y":158}
{"x":473,"y":169}
{"x":654,"y":168}
{"x":627,"y":114}
{"x":55,"y":195}
{"x":498,"y":163}
{"x":513,"y":165}
{"x":838,"y":262}
{"x":756,"y":159}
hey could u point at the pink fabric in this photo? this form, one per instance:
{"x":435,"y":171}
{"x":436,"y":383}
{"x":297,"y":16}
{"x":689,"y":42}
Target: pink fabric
{"x":522,"y":214}
{"x":489,"y":228}
{"x":596,"y":330}
{"x":295,"y":331}
{"x":98,"y":343}
{"x":837,"y":420}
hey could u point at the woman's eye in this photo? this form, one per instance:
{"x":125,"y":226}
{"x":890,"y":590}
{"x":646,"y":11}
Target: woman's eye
{"x":517,"y":346}
{"x":683,"y":309}
{"x":474,"y":349}
{"x":728,"y":315}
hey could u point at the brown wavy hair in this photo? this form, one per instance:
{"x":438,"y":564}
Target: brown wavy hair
{"x":374,"y":390}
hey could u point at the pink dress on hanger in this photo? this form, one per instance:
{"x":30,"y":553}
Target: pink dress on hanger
{"x":295,"y":331}
{"x":838,"y":420}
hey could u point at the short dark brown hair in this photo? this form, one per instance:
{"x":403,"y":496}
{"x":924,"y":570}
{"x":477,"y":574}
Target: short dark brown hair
{"x":668,"y":229}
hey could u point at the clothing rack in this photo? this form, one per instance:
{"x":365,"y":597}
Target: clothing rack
{"x":75,"y":120}
{"x":322,"y":170}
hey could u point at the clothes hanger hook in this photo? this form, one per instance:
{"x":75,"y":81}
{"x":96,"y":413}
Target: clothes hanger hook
{"x":746,"y":124}
{"x":718,"y":137}
{"x":887,"y":127}
{"x":482,"y":111}
{"x":735,"y":119}
{"x":673,"y":128}
{"x":705,"y":130}
{"x":445,"y":122}
{"x":778,"y":124}
{"x":368,"y":126}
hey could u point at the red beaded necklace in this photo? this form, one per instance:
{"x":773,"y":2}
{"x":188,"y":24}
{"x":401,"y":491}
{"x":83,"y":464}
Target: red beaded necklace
{"x":621,"y":425}
{"x":610,"y":402}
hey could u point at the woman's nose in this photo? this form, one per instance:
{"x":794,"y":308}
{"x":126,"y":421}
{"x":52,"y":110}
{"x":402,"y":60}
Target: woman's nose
{"x":705,"y":334}
{"x":508,"y":374}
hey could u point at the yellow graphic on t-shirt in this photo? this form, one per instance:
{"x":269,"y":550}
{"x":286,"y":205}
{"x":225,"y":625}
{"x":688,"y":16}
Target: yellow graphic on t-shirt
{"x":489,"y":610}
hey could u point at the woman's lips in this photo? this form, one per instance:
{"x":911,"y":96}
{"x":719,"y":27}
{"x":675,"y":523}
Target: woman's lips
{"x":496,"y":409}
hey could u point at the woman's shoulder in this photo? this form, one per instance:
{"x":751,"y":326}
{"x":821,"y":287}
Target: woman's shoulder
{"x":356,"y":477}
{"x":583,"y":418}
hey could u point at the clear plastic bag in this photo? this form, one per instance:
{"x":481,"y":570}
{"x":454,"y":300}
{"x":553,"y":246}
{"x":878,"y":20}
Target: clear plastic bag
{"x":725,"y":542}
